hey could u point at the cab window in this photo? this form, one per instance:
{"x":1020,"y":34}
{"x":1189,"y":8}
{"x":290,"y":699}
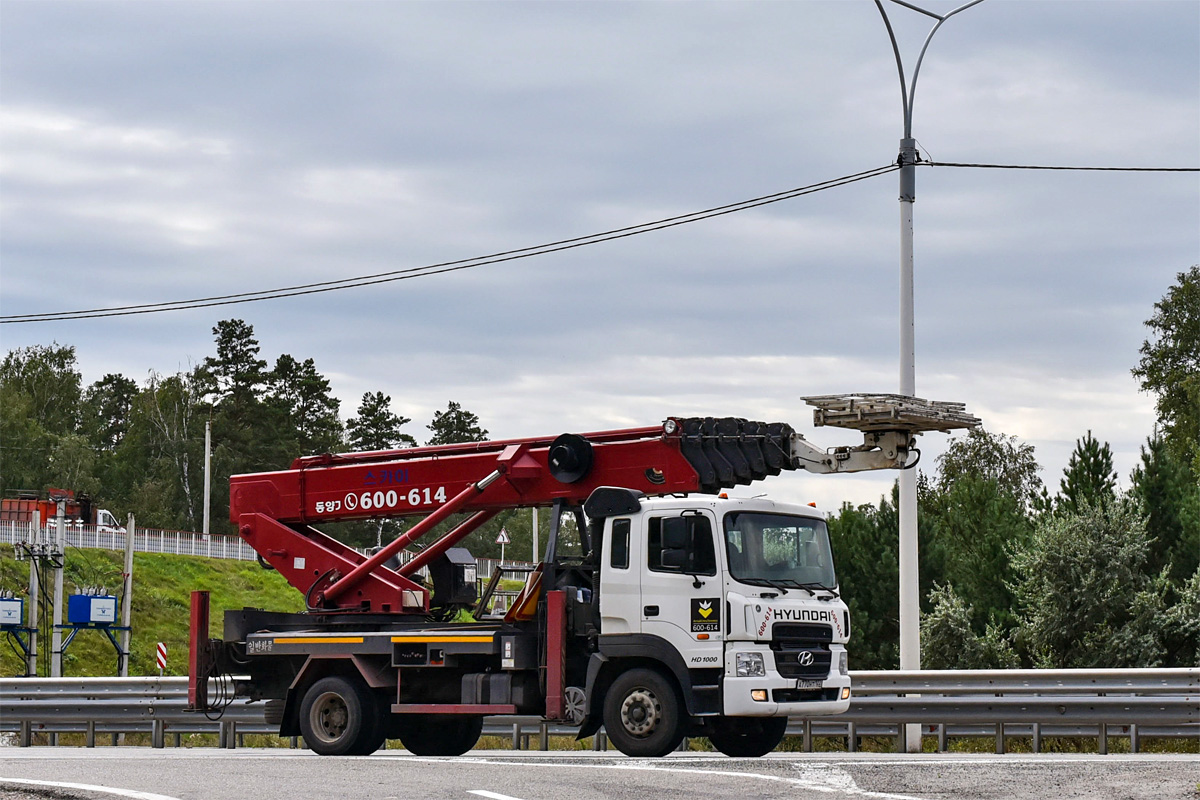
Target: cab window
{"x":681,"y":544}
{"x":619,"y":559}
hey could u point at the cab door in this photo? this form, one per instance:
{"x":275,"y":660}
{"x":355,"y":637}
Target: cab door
{"x":620,"y":588}
{"x":681,"y":590}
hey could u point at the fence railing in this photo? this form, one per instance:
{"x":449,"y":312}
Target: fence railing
{"x":1134,"y":703}
{"x":180,"y":543}
{"x":145,"y":540}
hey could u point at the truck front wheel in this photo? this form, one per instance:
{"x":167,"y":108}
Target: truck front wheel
{"x":747,"y":737}
{"x":340,"y":717}
{"x":643,"y":714}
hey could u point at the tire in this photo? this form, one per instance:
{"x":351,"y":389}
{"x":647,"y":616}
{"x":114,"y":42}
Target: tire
{"x":376,"y":738}
{"x":643,"y":714}
{"x":273,"y":712}
{"x":340,"y":717}
{"x":747,"y":737}
{"x":437,"y":734}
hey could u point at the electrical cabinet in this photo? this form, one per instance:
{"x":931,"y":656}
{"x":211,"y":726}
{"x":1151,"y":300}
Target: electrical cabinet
{"x":87,"y":609}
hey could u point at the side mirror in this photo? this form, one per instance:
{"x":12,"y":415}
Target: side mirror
{"x":674,"y":534}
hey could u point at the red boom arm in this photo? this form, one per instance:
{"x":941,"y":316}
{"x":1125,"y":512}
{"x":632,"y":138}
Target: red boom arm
{"x":274,"y":510}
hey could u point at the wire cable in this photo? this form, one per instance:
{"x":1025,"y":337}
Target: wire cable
{"x":1072,"y":169}
{"x":451,"y":266}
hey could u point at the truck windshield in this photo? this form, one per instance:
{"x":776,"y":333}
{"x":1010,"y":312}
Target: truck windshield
{"x":779,"y":550}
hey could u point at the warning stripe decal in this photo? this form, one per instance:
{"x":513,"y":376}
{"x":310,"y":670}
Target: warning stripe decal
{"x":442,"y":639}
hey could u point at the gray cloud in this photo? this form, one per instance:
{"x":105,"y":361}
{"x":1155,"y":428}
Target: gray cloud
{"x":154,"y":152}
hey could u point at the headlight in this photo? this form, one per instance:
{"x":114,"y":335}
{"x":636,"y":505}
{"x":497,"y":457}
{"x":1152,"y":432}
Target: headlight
{"x":844,"y":663}
{"x":750,"y":665}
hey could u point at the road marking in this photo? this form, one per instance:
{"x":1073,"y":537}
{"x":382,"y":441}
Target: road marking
{"x":84,"y":787}
{"x":826,"y":779}
{"x":491,"y":795}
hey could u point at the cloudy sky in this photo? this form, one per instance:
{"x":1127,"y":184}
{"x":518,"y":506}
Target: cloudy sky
{"x":160,"y":151}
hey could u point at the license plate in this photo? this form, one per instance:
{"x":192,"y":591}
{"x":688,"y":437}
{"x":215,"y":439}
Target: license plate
{"x":803,"y":684}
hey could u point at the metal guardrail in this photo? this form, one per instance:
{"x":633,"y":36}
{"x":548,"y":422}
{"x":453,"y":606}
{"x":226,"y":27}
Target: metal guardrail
{"x":1169,"y":680}
{"x":1126,"y":697}
{"x":1036,"y":703}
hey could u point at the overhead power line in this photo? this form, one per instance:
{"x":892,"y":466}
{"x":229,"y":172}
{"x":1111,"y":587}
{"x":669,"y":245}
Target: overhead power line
{"x":1075,"y":169}
{"x":449,"y":266}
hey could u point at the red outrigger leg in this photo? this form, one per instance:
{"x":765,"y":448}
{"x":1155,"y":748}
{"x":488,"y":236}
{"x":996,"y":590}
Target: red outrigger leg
{"x":556,"y":653}
{"x":200,"y":659}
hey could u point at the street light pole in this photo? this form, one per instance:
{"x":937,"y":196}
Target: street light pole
{"x":207,"y":472}
{"x":910,"y":598}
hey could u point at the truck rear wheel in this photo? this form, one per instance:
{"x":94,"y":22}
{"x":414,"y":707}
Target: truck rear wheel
{"x":438,"y":734}
{"x":340,"y":717}
{"x":643,"y":715}
{"x":747,"y":737}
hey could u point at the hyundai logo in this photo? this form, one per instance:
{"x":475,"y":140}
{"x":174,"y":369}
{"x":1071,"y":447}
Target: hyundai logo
{"x":805,"y":658}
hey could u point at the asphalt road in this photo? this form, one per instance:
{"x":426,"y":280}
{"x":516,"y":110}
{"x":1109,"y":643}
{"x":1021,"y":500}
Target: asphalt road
{"x":212,"y":774}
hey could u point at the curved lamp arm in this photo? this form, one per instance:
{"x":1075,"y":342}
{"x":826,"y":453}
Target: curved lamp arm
{"x":907,"y":97}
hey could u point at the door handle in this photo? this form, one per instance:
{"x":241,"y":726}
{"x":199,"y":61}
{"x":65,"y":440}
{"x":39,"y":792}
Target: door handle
{"x":650,"y":611}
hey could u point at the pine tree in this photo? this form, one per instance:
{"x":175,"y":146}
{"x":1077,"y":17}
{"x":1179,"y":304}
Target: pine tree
{"x":303,"y":395}
{"x":236,"y":374}
{"x":1171,"y":499}
{"x":375,"y":427}
{"x":455,"y":425}
{"x":1089,"y":478}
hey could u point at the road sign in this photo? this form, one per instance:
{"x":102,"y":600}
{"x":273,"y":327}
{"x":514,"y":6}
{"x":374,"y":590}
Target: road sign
{"x":162,"y":657}
{"x":503,"y":537}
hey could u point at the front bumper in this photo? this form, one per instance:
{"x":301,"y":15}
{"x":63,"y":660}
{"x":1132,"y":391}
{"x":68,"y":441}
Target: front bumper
{"x":784,"y":696}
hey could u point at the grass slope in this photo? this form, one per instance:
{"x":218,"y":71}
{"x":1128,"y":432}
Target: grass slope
{"x":162,"y":587}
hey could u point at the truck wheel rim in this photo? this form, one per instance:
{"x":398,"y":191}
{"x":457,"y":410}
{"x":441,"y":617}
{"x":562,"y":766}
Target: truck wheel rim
{"x":575,"y":705}
{"x":329,"y":716}
{"x":641,"y":712}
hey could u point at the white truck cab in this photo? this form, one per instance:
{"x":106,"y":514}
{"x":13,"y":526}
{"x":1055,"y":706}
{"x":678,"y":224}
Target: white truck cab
{"x":743,"y":586}
{"x":107,"y":523}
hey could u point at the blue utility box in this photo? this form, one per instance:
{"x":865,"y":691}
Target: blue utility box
{"x":89,"y":609}
{"x":12,"y":612}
